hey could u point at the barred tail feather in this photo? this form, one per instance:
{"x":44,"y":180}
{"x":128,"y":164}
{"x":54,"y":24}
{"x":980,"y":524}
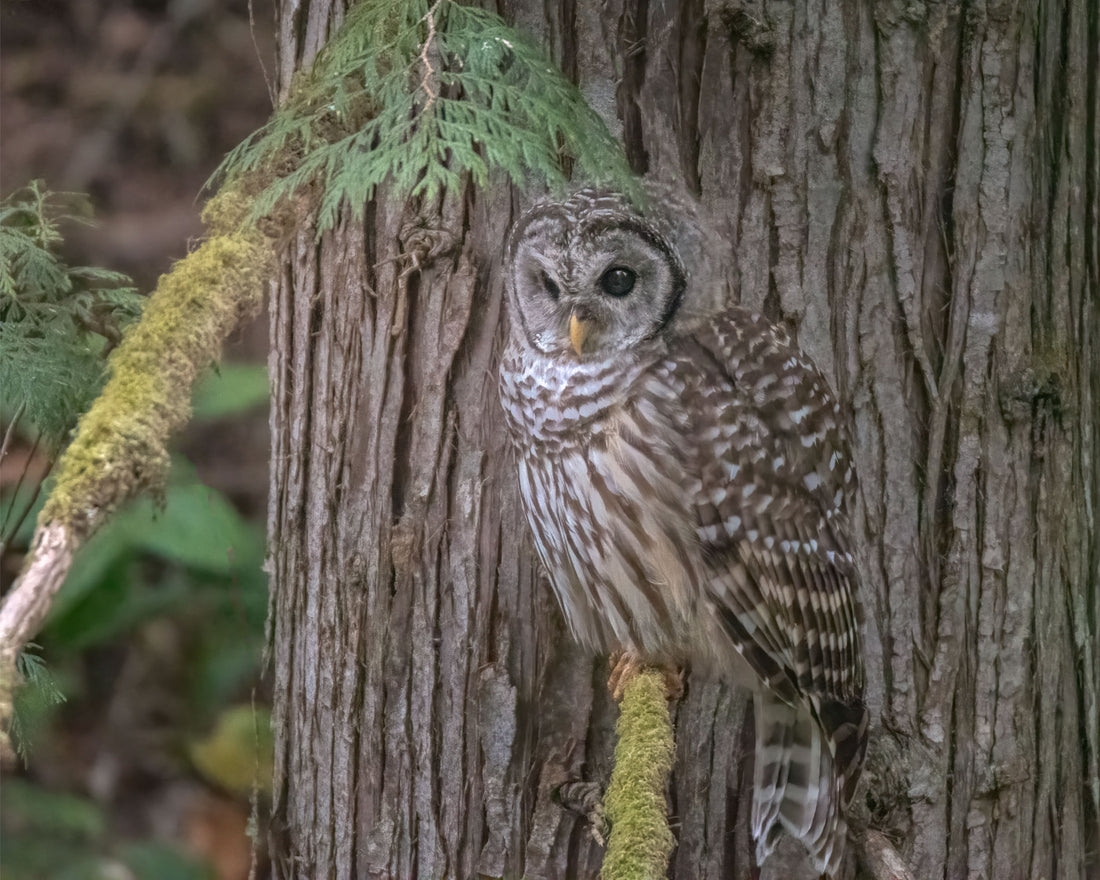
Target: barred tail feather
{"x":796,"y":786}
{"x":775,"y":725}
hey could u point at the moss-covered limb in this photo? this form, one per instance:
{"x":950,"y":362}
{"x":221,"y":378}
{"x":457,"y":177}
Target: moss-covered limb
{"x":119,"y":447}
{"x":640,"y":842}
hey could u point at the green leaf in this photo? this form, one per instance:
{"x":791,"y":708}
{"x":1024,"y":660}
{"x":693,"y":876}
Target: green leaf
{"x":198,"y":528}
{"x":112,"y":605}
{"x":226,"y":658}
{"x":197,"y":532}
{"x":104,"y":559}
{"x":29,"y":809}
{"x":64,"y":837}
{"x":231,"y":389}
{"x":237,"y":753}
{"x":157,"y":861}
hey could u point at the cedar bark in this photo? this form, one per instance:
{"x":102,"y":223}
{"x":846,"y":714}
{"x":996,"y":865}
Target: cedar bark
{"x":913,"y":187}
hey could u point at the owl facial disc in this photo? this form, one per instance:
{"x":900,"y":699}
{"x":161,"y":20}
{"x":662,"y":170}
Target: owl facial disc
{"x":590,"y":277}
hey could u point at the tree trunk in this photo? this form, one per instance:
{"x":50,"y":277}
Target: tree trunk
{"x":913,"y":188}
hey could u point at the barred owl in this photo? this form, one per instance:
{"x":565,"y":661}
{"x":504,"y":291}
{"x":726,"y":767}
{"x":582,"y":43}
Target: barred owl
{"x":685,"y":478}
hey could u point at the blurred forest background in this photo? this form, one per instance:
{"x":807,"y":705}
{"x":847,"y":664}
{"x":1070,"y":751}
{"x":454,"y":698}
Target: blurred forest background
{"x":138,"y":732}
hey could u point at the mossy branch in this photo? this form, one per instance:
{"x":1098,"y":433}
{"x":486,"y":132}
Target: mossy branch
{"x":119,"y":447}
{"x":640,"y":842}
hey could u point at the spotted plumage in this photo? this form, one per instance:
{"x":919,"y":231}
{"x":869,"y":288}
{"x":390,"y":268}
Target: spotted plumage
{"x":686,"y":478}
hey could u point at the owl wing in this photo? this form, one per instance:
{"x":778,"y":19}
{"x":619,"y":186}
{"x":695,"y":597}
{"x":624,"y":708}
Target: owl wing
{"x":775,"y":474}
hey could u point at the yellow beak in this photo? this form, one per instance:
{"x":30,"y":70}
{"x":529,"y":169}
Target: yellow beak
{"x":578,"y":332}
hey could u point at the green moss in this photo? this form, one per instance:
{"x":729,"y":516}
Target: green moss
{"x":119,"y":445}
{"x":641,"y":841}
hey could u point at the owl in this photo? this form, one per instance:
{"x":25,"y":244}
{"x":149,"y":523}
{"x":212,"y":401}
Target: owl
{"x":686,"y":476}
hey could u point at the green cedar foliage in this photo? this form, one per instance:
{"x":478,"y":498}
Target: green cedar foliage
{"x":57,"y":322}
{"x":413,"y":94}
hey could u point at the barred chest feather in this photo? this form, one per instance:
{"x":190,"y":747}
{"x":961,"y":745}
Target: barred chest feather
{"x":604,"y":491}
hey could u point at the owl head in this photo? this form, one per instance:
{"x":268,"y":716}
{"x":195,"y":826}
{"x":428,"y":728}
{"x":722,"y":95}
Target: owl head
{"x":590,"y":277}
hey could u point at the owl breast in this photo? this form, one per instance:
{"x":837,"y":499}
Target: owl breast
{"x":603,"y":490}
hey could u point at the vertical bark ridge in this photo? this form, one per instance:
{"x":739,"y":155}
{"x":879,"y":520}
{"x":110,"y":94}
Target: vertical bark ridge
{"x":692,"y":50}
{"x":634,"y":50}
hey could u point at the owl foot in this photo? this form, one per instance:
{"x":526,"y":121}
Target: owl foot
{"x":585,"y":798}
{"x":626,"y":664}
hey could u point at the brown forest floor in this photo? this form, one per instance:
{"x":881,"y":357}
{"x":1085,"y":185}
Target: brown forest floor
{"x":135,"y":102}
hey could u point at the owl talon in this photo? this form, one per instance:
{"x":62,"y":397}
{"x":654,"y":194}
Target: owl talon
{"x":599,"y":826}
{"x":626,"y":664}
{"x":585,"y":799}
{"x":674,"y":682}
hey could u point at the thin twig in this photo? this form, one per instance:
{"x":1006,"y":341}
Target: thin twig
{"x":10,"y":432}
{"x":9,"y":435}
{"x":19,"y":484}
{"x":429,"y":71}
{"x":259,"y":55}
{"x":29,"y":506}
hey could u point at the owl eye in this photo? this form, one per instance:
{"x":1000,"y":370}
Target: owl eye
{"x":551,"y":287}
{"x":617,"y":281}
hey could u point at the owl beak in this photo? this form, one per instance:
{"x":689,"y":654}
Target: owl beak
{"x":578,"y":332}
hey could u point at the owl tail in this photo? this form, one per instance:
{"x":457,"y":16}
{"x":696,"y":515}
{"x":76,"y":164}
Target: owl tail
{"x":796,"y":787}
